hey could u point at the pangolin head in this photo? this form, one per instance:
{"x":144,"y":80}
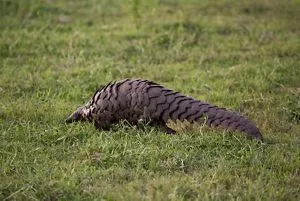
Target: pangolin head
{"x":78,"y":115}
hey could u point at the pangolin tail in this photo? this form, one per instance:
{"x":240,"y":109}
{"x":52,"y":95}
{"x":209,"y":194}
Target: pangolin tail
{"x":187,"y":108}
{"x":232,"y":120}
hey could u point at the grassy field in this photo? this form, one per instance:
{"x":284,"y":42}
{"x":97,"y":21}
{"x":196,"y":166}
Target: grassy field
{"x":243,"y":55}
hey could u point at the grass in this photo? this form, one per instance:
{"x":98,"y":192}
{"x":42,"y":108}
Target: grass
{"x":242,"y":55}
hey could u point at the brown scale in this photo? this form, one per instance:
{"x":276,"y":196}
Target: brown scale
{"x":136,"y":99}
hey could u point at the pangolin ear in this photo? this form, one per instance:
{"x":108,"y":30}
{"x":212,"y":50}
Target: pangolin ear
{"x":76,"y":116}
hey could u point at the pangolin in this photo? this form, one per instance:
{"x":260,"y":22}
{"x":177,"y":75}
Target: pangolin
{"x":136,"y":100}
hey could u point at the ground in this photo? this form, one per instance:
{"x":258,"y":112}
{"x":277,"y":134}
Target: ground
{"x":242,"y":55}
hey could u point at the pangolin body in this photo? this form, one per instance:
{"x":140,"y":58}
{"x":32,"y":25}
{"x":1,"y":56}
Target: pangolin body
{"x":137,"y":99}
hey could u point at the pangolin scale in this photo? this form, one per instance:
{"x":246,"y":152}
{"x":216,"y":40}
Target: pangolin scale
{"x":137,"y":99}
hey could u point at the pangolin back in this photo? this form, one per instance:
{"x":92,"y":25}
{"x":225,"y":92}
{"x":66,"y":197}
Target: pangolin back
{"x":136,"y":99}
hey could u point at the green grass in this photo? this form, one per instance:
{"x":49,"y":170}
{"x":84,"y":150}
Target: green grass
{"x":243,"y":55}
